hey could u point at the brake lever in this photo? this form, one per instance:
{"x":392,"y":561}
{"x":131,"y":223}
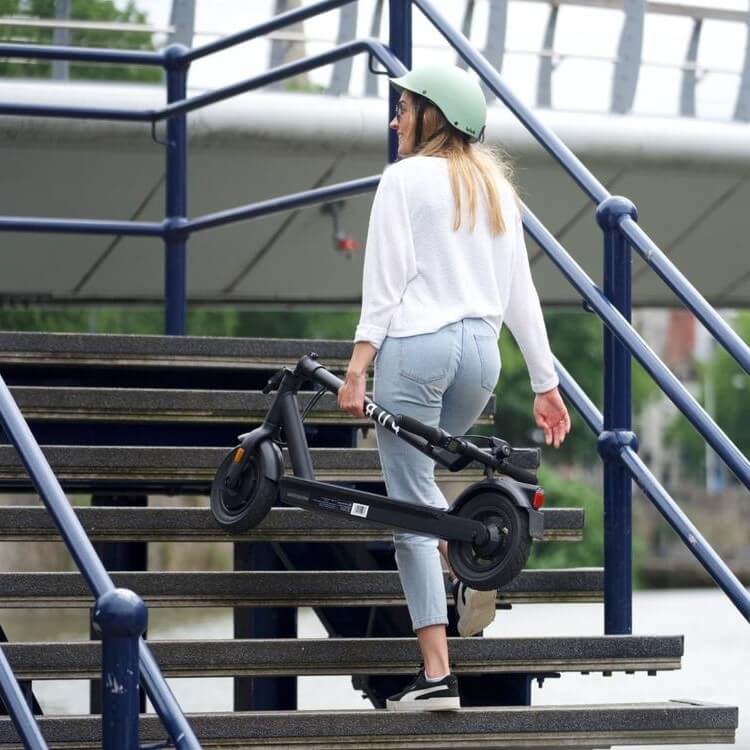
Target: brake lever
{"x":273,"y":382}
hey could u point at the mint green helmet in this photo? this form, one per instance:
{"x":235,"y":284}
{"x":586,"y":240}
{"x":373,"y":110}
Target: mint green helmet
{"x":453,"y":91}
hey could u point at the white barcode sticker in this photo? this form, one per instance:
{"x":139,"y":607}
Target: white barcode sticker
{"x":360,"y":510}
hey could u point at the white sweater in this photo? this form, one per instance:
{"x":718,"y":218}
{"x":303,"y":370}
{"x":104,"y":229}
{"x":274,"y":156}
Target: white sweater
{"x":420,"y":274}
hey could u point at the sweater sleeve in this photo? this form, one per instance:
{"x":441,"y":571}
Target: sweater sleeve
{"x":525,"y":321}
{"x":390,"y":259}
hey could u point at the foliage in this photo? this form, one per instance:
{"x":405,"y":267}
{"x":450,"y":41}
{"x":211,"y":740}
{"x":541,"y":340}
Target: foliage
{"x":81,"y":10}
{"x":201,"y":321}
{"x":731,"y":410}
{"x":576,"y":340}
{"x":562,"y":492}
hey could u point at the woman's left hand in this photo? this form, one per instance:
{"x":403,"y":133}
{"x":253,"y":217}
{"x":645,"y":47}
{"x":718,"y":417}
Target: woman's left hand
{"x":552,"y":416}
{"x":351,"y":395}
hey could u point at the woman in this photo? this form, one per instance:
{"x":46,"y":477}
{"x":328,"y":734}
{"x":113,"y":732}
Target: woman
{"x":445,"y":266}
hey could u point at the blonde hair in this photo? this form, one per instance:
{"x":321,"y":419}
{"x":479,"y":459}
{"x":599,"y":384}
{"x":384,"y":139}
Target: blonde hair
{"x":473,"y":167}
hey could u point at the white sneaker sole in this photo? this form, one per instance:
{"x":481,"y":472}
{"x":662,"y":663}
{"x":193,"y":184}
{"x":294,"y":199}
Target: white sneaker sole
{"x":433,"y":704}
{"x":478,"y":613}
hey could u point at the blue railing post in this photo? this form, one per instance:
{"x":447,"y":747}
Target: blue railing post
{"x":175,"y":242}
{"x":120,"y":616}
{"x":618,"y":584}
{"x":399,"y":40}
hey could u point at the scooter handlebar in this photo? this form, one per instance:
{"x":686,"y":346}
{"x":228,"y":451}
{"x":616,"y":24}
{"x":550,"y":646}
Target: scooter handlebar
{"x":309,"y":368}
{"x":440,"y":437}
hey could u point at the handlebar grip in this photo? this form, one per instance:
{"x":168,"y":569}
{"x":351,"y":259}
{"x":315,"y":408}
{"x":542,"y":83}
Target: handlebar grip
{"x":430,"y":434}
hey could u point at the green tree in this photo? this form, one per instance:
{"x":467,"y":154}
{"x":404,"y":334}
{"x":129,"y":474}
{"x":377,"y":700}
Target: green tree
{"x":81,"y":10}
{"x":576,"y":340}
{"x":562,"y":492}
{"x":731,"y":410}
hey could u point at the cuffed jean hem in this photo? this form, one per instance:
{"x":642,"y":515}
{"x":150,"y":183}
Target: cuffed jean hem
{"x":428,"y":622}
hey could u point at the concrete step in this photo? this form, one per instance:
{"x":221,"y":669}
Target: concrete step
{"x":348,"y":656}
{"x":74,"y":350}
{"x":33,"y":523}
{"x":184,"y":470}
{"x":281,"y":588}
{"x":668,"y":722}
{"x":174,"y":405}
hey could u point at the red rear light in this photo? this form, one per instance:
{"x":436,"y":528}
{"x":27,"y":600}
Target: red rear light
{"x":347,"y":244}
{"x":538,"y":500}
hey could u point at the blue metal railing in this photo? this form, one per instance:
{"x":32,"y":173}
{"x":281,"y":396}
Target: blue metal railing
{"x":615,"y":215}
{"x":90,"y":565}
{"x":660,"y":498}
{"x":18,"y":709}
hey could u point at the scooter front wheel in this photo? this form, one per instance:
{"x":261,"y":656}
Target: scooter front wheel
{"x":487,"y":571}
{"x":244,"y":504}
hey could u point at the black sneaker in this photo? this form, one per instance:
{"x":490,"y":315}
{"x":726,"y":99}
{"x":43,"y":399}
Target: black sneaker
{"x":421,"y":695}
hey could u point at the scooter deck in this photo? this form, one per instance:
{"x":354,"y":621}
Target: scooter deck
{"x":331,"y":498}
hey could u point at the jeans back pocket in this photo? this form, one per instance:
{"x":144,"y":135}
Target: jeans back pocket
{"x":426,"y":357}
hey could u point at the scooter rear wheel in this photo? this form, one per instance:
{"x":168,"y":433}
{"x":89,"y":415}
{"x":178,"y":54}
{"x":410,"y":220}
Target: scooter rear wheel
{"x":487,"y":572}
{"x":246,"y":505}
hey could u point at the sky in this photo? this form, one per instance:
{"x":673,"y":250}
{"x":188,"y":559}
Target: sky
{"x":578,"y":84}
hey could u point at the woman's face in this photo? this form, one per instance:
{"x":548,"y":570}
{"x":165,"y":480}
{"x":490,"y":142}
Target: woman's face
{"x":403,"y":123}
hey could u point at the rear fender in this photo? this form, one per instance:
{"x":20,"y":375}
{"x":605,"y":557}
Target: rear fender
{"x":521,"y":495}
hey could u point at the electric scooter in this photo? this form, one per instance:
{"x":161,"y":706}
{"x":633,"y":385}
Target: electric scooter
{"x":488,"y":528}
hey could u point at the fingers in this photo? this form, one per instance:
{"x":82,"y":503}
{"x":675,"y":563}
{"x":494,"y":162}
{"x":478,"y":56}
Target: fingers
{"x":553,"y":419}
{"x":543,"y":423}
{"x":350,"y":401}
{"x":560,"y":429}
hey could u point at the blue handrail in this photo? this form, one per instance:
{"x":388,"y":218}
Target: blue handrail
{"x":18,"y":708}
{"x":284,"y":203}
{"x":648,"y":250}
{"x":87,"y":560}
{"x":679,"y":395}
{"x":277,"y":22}
{"x":665,"y":504}
{"x":373,"y":46}
{"x":348,"y":49}
{"x":81,"y":226}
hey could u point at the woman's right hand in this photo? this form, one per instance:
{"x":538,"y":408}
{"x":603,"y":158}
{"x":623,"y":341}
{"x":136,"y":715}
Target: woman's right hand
{"x":551,"y":414}
{"x":351,"y":395}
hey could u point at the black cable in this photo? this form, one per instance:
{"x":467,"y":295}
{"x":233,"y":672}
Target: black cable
{"x":310,"y":404}
{"x":314,"y":400}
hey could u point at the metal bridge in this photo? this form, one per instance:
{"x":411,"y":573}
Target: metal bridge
{"x":688,"y":174}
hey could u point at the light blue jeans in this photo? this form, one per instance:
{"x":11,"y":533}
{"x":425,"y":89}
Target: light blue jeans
{"x":443,"y":378}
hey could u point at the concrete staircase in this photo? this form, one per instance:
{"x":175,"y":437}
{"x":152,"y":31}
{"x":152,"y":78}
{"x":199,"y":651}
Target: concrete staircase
{"x":133,"y":415}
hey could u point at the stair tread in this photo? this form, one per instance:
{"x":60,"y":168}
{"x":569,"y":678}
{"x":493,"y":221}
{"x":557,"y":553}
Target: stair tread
{"x":43,"y":403}
{"x":19,"y":523}
{"x":186,"y":468}
{"x":280,"y":588}
{"x":314,"y":656}
{"x":117,"y":350}
{"x":538,"y":726}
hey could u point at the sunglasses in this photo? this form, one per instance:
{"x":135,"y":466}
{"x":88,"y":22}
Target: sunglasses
{"x":399,"y":111}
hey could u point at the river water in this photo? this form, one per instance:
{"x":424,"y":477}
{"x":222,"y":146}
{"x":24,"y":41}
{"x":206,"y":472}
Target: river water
{"x":716,"y":664}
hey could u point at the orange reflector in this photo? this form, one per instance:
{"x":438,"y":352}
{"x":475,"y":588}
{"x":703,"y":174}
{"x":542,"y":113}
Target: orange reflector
{"x":238,"y":455}
{"x":538,"y":500}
